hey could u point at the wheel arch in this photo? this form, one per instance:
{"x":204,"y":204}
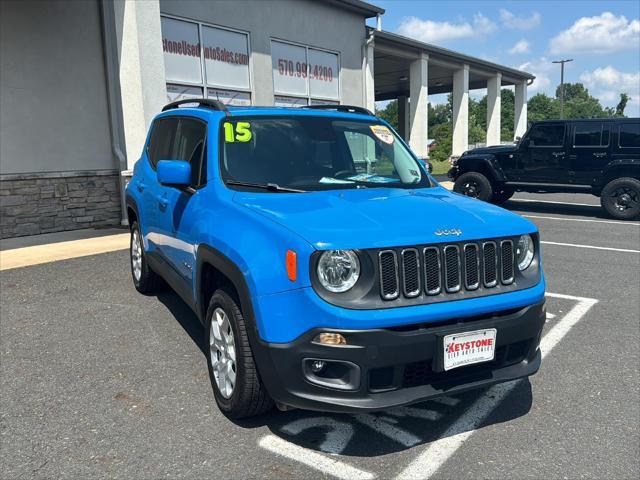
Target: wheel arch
{"x":215,"y":270}
{"x":132,"y":210}
{"x":484,"y":164}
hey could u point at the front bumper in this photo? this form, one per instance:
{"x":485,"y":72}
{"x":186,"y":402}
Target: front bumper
{"x":399,"y":365}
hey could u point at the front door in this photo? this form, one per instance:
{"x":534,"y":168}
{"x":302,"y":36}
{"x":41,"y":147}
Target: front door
{"x":160,"y":146}
{"x":177,"y":205}
{"x":545,"y":160}
{"x":589,"y":151}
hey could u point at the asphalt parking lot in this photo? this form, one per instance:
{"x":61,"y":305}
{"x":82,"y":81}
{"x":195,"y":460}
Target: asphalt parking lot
{"x":98,"y":381}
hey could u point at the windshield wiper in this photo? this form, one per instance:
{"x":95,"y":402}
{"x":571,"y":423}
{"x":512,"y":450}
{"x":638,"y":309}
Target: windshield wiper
{"x":272,"y":187}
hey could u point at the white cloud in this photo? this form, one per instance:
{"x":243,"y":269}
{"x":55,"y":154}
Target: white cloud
{"x":542,"y":68}
{"x":432,"y":32}
{"x":520,"y":47}
{"x":608,"y":83}
{"x":514,"y":22}
{"x":602,"y":34}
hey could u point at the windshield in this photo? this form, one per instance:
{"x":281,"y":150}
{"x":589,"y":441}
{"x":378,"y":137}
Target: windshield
{"x":316,"y":153}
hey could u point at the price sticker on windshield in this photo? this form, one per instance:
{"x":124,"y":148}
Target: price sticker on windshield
{"x":240,"y":132}
{"x":383,"y":133}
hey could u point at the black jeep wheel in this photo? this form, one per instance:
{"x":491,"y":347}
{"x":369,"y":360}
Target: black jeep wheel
{"x":621,"y":198}
{"x":237,"y":386}
{"x":501,"y":196}
{"x":145,"y":280}
{"x":474,"y":185}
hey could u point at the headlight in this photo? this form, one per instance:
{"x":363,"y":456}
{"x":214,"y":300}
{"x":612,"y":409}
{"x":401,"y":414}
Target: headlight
{"x":338,"y":270}
{"x":524,"y":252}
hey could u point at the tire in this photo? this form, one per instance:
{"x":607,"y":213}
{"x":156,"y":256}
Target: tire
{"x":621,"y":198}
{"x":474,"y":185}
{"x":501,"y":196}
{"x":145,"y":280}
{"x":241,"y":393}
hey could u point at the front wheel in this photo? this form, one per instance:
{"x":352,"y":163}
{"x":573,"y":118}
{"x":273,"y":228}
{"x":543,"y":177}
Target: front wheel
{"x":237,"y":386}
{"x":621,"y":198}
{"x":474,"y":185}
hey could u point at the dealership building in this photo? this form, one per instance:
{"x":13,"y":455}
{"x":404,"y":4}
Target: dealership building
{"x":80,"y":82}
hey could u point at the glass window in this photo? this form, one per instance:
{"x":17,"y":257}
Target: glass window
{"x":630,"y":135}
{"x":588,"y":135}
{"x":317,"y":153}
{"x":160,"y":142}
{"x":189,"y":146}
{"x":547,"y":136}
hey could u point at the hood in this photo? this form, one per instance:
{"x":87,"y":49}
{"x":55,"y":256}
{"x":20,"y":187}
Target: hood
{"x":494,"y":149}
{"x":383,"y":217}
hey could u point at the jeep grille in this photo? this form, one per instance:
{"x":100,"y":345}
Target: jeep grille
{"x":445,"y":269}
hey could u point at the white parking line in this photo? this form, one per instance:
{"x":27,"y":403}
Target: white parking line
{"x":438,"y":452}
{"x":581,"y":220}
{"x":515,"y":200}
{"x":628,"y":250}
{"x":318,"y":461}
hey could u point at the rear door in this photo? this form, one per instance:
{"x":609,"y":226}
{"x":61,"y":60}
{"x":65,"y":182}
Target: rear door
{"x":589,"y":151}
{"x":545,"y":159}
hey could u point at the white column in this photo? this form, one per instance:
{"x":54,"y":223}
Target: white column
{"x":419,"y":95}
{"x":493,"y":109}
{"x":460,"y":111}
{"x":369,"y":87}
{"x":520,"y":117}
{"x":142,"y":81}
{"x":403,"y":117}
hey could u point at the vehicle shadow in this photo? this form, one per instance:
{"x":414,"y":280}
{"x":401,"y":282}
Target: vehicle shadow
{"x":543,"y":208}
{"x":367,"y":434}
{"x":393,"y":430}
{"x":184,"y":316}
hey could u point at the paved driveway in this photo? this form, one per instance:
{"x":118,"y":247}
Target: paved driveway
{"x":98,"y":381}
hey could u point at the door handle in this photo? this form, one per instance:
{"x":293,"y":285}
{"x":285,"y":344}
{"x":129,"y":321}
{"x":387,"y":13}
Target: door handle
{"x":558,"y":154}
{"x":599,"y":155}
{"x":140,"y":186}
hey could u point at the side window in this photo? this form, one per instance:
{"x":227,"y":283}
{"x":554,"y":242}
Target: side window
{"x":189,"y":146}
{"x":161,"y":140}
{"x":629,"y":135}
{"x":547,"y":136}
{"x":589,"y":134}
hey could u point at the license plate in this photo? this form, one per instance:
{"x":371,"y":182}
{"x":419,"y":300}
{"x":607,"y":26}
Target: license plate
{"x":467,"y":348}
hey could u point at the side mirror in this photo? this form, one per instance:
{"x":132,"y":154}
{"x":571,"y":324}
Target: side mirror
{"x":174,"y":173}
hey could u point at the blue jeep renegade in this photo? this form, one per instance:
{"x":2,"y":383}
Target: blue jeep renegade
{"x":330,"y":271}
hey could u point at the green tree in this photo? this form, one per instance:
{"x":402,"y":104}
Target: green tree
{"x":507,"y":114}
{"x":578,"y":102}
{"x":622,"y":104}
{"x":543,"y":107}
{"x":389,"y":113}
{"x":443,"y":135}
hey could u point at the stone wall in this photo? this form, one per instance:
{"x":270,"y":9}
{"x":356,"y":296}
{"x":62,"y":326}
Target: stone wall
{"x":30,"y":206}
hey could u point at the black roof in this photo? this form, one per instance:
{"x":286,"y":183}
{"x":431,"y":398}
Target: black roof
{"x":607,"y":119}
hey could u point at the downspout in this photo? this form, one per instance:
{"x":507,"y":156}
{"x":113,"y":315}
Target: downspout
{"x":114,"y":99}
{"x":365,"y":64}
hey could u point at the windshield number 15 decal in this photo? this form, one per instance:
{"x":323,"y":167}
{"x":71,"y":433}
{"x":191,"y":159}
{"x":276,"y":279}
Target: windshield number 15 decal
{"x":241,"y":133}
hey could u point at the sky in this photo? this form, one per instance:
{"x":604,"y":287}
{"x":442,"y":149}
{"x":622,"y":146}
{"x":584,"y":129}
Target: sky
{"x":602,"y":37}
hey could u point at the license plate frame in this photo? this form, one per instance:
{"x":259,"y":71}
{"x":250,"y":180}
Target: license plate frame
{"x":466,"y":350}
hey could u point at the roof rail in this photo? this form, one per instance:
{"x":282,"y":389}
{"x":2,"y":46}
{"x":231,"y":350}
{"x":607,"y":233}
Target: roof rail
{"x":342,"y":108}
{"x":202,"y":102}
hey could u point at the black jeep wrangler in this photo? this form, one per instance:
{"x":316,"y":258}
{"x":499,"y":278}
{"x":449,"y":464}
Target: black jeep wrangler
{"x":601,"y":157}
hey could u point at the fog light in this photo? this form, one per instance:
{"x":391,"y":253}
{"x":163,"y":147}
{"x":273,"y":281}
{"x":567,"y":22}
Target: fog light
{"x":327,"y":338}
{"x":317,"y":366}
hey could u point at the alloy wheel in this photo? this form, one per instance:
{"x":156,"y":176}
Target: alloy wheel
{"x":136,"y":255}
{"x":222,"y":352}
{"x":625,"y":198}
